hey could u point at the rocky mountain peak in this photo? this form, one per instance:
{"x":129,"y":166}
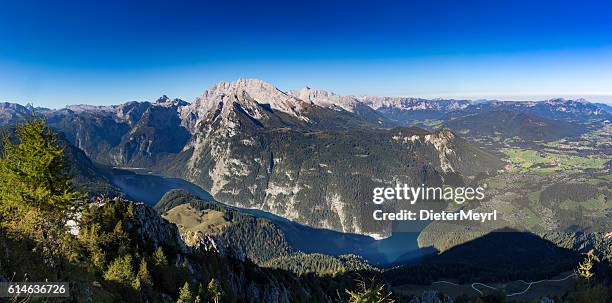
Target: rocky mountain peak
{"x":326,"y":99}
{"x":262,"y":92}
{"x":244,"y":84}
{"x":310,"y":92}
{"x":11,"y":112}
{"x":248,"y":93}
{"x":162,"y":99}
{"x":167,"y":102}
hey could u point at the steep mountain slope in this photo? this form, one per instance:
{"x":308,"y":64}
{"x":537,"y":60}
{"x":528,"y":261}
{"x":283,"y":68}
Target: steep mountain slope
{"x":508,"y":124}
{"x":157,"y":134}
{"x":10,"y":113}
{"x":342,"y":103}
{"x":567,"y":109}
{"x":605,"y":107}
{"x":143,"y":134}
{"x":144,"y":236}
{"x":130,"y":134}
{"x":97,"y":130}
{"x":250,"y":144}
{"x":249,"y":156}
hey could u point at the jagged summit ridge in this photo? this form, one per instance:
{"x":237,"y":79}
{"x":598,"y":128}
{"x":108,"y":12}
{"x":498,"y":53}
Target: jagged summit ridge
{"x":262,"y":92}
{"x":326,"y":99}
{"x":409,"y":103}
{"x":164,"y":101}
{"x":376,"y":110}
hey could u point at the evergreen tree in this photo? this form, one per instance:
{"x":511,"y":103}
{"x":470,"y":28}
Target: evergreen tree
{"x":185,"y":295}
{"x":33,"y":171}
{"x":136,"y":284}
{"x":121,"y":238}
{"x":375,"y":293}
{"x":585,"y":268}
{"x":159,"y":258}
{"x":214,"y":291}
{"x":120,"y":270}
{"x":36,"y":195}
{"x":144,"y":276}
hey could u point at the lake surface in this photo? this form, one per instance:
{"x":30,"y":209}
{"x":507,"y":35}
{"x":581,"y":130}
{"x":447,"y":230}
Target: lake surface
{"x":401,"y":247}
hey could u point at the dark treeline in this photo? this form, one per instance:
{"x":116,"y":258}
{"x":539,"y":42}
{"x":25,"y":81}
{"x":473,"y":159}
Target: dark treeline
{"x":320,"y":265}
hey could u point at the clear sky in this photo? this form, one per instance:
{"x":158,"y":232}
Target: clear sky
{"x":54,"y":53}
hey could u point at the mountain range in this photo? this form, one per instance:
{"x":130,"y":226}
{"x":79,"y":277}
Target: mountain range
{"x":309,"y":155}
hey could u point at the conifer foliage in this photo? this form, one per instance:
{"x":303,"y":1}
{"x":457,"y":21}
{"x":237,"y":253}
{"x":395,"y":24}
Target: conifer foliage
{"x":373,"y":293}
{"x":36,"y":195}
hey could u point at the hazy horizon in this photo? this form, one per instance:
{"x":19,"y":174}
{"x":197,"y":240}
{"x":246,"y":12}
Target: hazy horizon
{"x":606,"y":99}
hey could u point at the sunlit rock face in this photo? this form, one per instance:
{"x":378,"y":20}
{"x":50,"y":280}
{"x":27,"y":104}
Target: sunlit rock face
{"x":310,"y":155}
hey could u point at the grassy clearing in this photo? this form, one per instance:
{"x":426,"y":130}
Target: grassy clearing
{"x":546,"y":162}
{"x":598,"y":203}
{"x":207,"y":221}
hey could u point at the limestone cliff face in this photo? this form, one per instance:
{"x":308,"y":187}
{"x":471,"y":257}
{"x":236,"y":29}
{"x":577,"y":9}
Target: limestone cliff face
{"x":310,"y":156}
{"x":249,"y":155}
{"x":133,"y":134}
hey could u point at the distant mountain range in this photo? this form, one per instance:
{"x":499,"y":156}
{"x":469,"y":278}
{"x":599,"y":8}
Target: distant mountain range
{"x":309,"y":155}
{"x":374,"y":109}
{"x":573,"y":110}
{"x":508,"y":124}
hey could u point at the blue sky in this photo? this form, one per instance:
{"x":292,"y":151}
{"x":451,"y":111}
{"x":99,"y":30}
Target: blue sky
{"x":54,"y":53}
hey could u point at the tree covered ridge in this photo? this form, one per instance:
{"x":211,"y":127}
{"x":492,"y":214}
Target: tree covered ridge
{"x":245,"y":236}
{"x":320,"y":264}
